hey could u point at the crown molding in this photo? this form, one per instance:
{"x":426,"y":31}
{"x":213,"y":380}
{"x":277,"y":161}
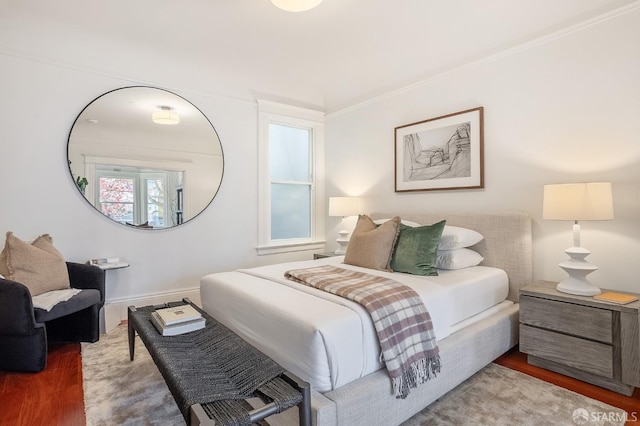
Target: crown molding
{"x":555,"y":35}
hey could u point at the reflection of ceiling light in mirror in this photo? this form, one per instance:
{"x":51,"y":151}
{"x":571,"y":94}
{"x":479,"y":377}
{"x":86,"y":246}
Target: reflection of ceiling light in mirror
{"x":165,"y":115}
{"x":296,"y":5}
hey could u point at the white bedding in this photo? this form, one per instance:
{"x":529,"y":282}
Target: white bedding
{"x":325,"y":339}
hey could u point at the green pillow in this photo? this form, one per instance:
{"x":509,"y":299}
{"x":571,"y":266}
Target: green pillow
{"x":416,"y":249}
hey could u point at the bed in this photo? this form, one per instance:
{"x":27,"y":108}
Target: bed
{"x":330,"y":342}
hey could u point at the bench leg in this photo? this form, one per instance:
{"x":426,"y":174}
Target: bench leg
{"x":132,"y":333}
{"x":304,"y":408}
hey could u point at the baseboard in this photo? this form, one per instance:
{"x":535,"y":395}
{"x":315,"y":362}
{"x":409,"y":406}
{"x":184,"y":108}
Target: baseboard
{"x":115,"y":310}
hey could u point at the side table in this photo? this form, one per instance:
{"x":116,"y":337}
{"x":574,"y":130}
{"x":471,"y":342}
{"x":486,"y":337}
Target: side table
{"x":588,"y":339}
{"x":323,"y":255}
{"x":110,"y":313}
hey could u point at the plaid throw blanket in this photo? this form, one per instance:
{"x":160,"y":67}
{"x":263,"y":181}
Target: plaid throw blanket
{"x":402,"y":322}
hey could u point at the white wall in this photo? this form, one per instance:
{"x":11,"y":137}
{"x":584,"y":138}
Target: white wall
{"x":38,"y":104}
{"x":566,"y":110}
{"x":563,"y":110}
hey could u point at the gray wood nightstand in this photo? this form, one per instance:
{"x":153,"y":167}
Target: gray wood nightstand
{"x":591,"y":340}
{"x":325,"y":254}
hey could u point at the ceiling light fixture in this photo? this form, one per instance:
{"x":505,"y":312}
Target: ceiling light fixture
{"x":165,"y":115}
{"x":296,"y":5}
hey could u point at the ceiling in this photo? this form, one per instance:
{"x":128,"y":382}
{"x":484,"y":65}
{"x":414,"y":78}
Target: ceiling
{"x":334,"y":56}
{"x":128,"y":111}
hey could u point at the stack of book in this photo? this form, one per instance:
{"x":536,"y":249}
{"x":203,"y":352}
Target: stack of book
{"x":177,"y":320}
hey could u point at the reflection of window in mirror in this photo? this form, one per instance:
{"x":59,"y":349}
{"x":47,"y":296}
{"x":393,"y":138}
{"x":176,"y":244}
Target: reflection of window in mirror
{"x":115,"y":197}
{"x":180,"y":205}
{"x":132,"y":196}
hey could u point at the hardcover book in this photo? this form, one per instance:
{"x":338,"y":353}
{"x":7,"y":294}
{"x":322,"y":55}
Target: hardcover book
{"x":178,"y":314}
{"x":179,"y":328}
{"x":619,"y":298}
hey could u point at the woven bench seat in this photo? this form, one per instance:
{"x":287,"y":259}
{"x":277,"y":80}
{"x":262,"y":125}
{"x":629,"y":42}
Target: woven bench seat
{"x":211,"y":373}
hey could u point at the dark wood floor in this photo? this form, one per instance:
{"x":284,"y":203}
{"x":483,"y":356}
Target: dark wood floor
{"x":54,"y":397}
{"x":51,"y":397}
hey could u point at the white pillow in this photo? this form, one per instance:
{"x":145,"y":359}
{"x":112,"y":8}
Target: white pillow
{"x":458,"y":259}
{"x":404,"y":222}
{"x":454,"y":237}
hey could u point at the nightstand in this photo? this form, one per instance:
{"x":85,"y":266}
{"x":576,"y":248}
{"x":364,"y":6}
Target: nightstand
{"x":581,"y":337}
{"x":325,"y":254}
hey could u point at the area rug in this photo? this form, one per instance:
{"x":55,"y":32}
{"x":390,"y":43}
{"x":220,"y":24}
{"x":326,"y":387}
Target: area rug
{"x":122,"y":392}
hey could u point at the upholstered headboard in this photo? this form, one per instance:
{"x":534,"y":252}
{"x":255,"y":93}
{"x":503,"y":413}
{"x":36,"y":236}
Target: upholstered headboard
{"x":506,"y":245}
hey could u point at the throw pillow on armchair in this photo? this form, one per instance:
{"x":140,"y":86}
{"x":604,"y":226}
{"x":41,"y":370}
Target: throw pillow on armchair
{"x":39,"y":265}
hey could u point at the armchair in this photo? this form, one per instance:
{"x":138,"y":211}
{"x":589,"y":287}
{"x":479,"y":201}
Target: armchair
{"x":25,"y":330}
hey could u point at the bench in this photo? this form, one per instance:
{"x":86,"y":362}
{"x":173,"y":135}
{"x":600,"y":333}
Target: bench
{"x":211,"y":373}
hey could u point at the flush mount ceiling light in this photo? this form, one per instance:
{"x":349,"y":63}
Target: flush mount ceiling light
{"x":296,"y":5}
{"x":165,"y":115}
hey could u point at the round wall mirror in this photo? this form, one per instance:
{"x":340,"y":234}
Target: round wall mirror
{"x":145,"y":157}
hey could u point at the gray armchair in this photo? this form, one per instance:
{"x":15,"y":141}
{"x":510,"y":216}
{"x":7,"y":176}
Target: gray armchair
{"x":25,"y":330}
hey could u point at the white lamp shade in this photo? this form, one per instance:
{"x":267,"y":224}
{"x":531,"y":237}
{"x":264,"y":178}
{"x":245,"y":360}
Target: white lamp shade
{"x":578,"y":201}
{"x":296,"y":5}
{"x":165,"y":116}
{"x":344,"y":206}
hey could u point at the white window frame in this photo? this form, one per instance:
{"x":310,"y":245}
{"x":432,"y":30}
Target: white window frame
{"x":140,"y":203}
{"x":273,"y":112}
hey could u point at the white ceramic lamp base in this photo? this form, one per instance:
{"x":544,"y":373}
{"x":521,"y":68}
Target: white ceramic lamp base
{"x":578,"y":269}
{"x":343,"y":242}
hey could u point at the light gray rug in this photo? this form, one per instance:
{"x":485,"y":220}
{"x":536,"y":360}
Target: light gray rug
{"x":120,"y":392}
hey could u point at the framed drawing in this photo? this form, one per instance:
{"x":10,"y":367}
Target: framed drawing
{"x":440,"y":153}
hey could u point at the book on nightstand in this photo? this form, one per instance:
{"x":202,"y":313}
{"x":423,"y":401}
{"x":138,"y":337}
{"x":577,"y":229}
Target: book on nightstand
{"x":613,"y":297}
{"x":177,"y":328}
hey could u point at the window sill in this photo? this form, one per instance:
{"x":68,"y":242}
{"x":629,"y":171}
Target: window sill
{"x":290,"y":247}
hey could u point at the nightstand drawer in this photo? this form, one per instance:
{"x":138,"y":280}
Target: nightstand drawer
{"x":577,"y":320}
{"x":586,"y":355}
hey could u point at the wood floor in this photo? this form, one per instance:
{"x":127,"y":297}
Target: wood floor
{"x":54,"y":397}
{"x":631,"y":404}
{"x":51,"y":397}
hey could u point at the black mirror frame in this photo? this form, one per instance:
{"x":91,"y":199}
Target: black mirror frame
{"x":80,"y":182}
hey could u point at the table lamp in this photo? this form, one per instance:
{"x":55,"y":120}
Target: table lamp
{"x":343,"y":206}
{"x":576,"y":202}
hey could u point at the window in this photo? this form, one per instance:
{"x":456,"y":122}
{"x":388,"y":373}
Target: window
{"x":132,"y":197}
{"x":154,"y":189}
{"x":291,"y":148}
{"x":116,"y":195}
